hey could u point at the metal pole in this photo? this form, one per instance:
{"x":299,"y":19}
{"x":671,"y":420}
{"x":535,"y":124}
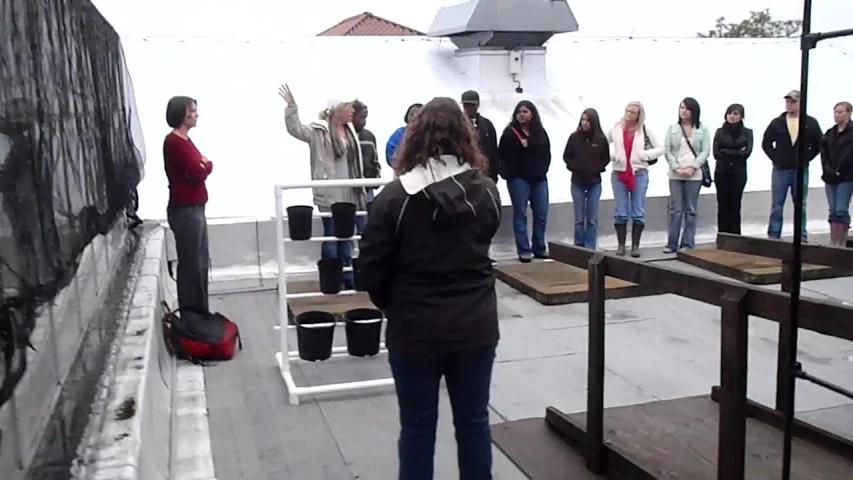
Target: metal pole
{"x":796,"y":261}
{"x":282,"y":280}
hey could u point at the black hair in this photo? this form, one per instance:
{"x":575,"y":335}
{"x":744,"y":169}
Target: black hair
{"x":594,"y":122}
{"x":692,"y":105}
{"x":406,"y":116}
{"x":176,"y":110}
{"x":358,"y":107}
{"x":536,"y":126}
{"x":735,"y":107}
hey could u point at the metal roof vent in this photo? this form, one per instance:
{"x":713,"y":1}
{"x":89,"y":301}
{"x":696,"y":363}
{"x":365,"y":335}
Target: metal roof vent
{"x":506,"y":24}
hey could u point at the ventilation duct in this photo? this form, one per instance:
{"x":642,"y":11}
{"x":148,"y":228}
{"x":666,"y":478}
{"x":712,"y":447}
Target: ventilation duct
{"x":506,"y":24}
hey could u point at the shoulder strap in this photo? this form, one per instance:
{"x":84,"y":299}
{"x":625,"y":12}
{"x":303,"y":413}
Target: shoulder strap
{"x":687,"y":140}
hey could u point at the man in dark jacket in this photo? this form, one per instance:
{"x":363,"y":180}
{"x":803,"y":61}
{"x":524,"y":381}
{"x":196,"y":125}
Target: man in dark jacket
{"x":369,"y":153}
{"x":485,"y":131}
{"x":780,"y":144}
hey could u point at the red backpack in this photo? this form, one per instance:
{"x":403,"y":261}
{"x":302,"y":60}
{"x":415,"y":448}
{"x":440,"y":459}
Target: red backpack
{"x":199,"y":336}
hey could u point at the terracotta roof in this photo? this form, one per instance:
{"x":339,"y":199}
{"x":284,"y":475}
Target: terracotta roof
{"x":368,"y":25}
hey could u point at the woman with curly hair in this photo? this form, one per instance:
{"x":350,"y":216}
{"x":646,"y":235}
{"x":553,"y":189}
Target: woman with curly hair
{"x":425,"y":261}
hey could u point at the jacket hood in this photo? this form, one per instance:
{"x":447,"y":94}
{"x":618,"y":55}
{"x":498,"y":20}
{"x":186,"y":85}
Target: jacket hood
{"x":456,"y":191}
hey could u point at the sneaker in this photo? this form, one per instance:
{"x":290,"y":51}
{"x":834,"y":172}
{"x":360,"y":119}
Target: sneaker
{"x":668,"y":250}
{"x":541,"y":256}
{"x":525,"y":258}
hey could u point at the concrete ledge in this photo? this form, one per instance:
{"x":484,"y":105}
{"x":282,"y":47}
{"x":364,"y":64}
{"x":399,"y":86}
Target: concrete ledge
{"x":153,"y":424}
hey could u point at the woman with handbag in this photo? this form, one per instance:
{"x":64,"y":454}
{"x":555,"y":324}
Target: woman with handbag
{"x":633,"y":149}
{"x":687,"y":147}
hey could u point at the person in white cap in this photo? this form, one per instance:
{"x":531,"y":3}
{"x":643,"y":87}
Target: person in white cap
{"x":781,"y":143}
{"x":335,"y":154}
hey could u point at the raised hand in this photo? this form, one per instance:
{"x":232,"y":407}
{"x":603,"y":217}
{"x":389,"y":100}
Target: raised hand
{"x":285,"y":93}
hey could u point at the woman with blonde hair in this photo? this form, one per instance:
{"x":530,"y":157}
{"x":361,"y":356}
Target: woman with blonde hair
{"x":836,"y":155}
{"x":335,"y":154}
{"x":633,"y":149}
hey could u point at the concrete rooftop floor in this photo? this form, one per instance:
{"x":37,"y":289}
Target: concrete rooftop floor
{"x":659,"y":347}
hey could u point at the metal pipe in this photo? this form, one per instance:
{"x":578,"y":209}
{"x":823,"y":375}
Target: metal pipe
{"x":827,"y":385}
{"x":796,"y":261}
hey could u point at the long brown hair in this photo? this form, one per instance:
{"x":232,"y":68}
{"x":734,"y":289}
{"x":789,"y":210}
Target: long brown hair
{"x":440,"y":129}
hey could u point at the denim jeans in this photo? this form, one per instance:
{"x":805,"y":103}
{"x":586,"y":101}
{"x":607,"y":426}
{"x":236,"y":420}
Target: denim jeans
{"x":585,"y":202}
{"x":342,"y":249}
{"x":468,"y":376}
{"x":838,"y":198}
{"x":630,"y":205}
{"x":522,"y":193}
{"x":683,"y":200}
{"x":780,"y":182}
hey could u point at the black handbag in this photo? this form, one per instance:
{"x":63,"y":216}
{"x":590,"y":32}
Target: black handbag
{"x":707,"y":179}
{"x":647,"y":145}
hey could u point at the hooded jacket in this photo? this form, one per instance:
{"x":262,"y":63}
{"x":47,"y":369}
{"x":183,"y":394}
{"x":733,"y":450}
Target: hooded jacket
{"x":424,"y":258}
{"x":836,"y":152}
{"x":323,"y":160}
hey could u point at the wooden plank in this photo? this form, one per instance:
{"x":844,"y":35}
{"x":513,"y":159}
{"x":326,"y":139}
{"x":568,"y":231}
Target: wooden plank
{"x":734,"y":348}
{"x":826,"y":317}
{"x":538,"y":452}
{"x":836,"y":257}
{"x":747,"y":268}
{"x":802,"y":429}
{"x":334,"y":304}
{"x":555,"y":283}
{"x":678,"y":439}
{"x":595,"y":459}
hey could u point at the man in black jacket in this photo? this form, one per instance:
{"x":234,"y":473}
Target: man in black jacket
{"x":780,"y":144}
{"x":486,"y":133}
{"x":369,"y":152}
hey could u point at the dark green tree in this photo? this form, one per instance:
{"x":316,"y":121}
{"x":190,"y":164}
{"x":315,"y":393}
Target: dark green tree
{"x":757,"y":25}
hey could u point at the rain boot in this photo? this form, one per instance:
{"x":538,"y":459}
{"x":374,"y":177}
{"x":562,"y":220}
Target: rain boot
{"x":843,"y":231}
{"x":636,"y":234}
{"x":833,"y":234}
{"x":621,"y":234}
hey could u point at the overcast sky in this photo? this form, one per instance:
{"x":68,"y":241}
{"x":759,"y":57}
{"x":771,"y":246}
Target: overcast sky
{"x":284,"y":18}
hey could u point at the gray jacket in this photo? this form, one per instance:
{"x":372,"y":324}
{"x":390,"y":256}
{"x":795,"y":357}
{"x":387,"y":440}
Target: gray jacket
{"x":322,"y":156}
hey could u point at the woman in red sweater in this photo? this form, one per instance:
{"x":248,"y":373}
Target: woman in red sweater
{"x":187,"y":169}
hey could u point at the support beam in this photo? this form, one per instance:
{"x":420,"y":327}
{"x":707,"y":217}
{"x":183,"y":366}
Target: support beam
{"x":734,"y":346}
{"x":595,"y":458}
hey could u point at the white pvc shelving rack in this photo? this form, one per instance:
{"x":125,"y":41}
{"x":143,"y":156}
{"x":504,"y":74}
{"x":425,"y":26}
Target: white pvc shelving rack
{"x":295,"y":391}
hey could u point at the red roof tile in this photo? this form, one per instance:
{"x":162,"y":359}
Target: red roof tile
{"x":368,"y":25}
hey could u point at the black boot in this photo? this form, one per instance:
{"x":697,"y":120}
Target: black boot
{"x":621,"y":234}
{"x":636,"y":234}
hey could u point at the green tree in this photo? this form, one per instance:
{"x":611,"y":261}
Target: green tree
{"x":758,"y":25}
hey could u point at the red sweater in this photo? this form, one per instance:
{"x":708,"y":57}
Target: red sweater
{"x":185,"y":171}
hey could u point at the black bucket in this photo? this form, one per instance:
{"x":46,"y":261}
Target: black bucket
{"x":331,"y":274}
{"x":343,"y":219}
{"x":364,"y":328}
{"x":300,"y":220}
{"x":315,"y":331}
{"x":357,"y":278}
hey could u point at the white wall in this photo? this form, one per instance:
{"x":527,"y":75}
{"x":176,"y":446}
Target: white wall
{"x":241,"y":125}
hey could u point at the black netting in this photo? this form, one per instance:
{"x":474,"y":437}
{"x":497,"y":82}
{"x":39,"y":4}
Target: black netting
{"x":70,"y":162}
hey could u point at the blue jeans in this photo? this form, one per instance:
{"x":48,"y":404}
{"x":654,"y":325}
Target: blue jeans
{"x":630,"y":205}
{"x":522,"y":192}
{"x":468,"y":376}
{"x":838,"y":198}
{"x":683,"y":199}
{"x":780,"y":182}
{"x":585,"y":202}
{"x":341,"y":249}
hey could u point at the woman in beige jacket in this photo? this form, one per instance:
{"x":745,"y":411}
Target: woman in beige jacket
{"x":335,"y":154}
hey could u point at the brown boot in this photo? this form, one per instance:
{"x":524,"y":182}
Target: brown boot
{"x":621,"y":234}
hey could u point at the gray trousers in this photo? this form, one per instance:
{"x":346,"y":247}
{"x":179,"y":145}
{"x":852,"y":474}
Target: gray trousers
{"x":683,"y":201}
{"x":189,"y":225}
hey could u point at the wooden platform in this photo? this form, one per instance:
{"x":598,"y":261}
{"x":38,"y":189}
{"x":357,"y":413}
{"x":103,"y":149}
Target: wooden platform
{"x":334,"y":304}
{"x":538,"y":452}
{"x":749,"y":268}
{"x":677,"y":439}
{"x":556,"y":283}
